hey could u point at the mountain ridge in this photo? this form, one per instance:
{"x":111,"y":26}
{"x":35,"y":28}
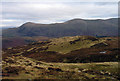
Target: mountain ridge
{"x":75,"y":19}
{"x":72,"y":27}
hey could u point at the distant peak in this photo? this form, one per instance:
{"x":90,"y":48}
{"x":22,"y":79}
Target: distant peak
{"x":29,"y":23}
{"x":77,"y":20}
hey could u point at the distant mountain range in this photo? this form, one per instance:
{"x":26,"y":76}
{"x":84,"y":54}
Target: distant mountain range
{"x":73,"y":27}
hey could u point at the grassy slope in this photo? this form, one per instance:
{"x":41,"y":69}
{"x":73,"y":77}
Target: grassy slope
{"x":61,"y":50}
{"x":62,"y":45}
{"x":18,"y":65}
{"x":28,"y":68}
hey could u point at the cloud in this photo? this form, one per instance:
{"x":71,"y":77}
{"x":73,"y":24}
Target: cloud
{"x":17,"y":13}
{"x":59,"y":0}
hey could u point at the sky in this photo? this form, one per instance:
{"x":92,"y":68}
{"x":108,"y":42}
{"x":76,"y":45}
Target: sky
{"x":15,"y":13}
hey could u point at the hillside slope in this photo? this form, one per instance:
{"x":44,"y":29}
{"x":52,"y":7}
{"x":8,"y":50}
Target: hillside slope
{"x":8,"y":42}
{"x":77,"y":57}
{"x":69,"y":49}
{"x":20,"y":67}
{"x":73,"y":27}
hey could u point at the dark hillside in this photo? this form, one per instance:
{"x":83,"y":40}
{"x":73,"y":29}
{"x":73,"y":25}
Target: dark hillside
{"x":69,"y":28}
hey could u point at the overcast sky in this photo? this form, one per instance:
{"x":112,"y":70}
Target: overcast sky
{"x":15,"y":13}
